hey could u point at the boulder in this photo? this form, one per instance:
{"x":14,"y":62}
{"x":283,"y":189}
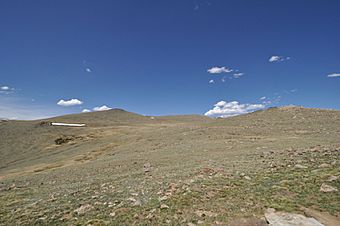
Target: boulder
{"x":275,"y":218}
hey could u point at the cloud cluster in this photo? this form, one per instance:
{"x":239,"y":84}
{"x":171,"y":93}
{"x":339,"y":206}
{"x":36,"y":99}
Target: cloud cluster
{"x":219,"y":70}
{"x":102,"y":108}
{"x":68,"y":103}
{"x":333,"y":75}
{"x":278,"y":59}
{"x":225,"y":109}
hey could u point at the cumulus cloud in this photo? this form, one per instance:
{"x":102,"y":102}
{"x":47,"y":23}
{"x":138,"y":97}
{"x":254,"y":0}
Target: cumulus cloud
{"x":225,"y":109}
{"x":85,"y":110}
{"x":263,"y":98}
{"x":333,"y":75}
{"x":218,"y":70}
{"x":89,"y":70}
{"x":212,"y":81}
{"x":68,"y":103}
{"x":278,"y":59}
{"x":102,"y":108}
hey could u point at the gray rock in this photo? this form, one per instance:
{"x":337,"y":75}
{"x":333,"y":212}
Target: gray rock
{"x":147,"y":167}
{"x":298,"y":166}
{"x":289,"y":219}
{"x":332,"y":178}
{"x":327,"y":188}
{"x":84,"y":209}
{"x":324,"y":165}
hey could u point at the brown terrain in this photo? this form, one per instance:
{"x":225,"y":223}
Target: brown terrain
{"x":127,"y":169}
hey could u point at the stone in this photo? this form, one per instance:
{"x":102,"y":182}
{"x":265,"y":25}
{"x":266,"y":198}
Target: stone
{"x":147,"y":167}
{"x":247,"y":178}
{"x":83,"y":209}
{"x":298,"y":166}
{"x":327,"y":188}
{"x":332,"y":178}
{"x":324,"y":165}
{"x":164,"y":206}
{"x":289,"y":219}
{"x":163,"y":198}
{"x":137,"y":203}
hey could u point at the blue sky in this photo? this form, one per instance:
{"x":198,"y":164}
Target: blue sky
{"x":156,"y":57}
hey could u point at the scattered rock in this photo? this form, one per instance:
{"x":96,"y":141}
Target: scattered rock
{"x":63,"y":140}
{"x":327,"y":188}
{"x":163,"y":198}
{"x":164,"y":206}
{"x":332,"y":178}
{"x":247,"y":178}
{"x":298,"y":166}
{"x":289,"y":219}
{"x":113,"y":214}
{"x":135,"y":202}
{"x":324,"y":165}
{"x":132,"y":199}
{"x":191,"y":224}
{"x":147,"y":167}
{"x":83,"y":209}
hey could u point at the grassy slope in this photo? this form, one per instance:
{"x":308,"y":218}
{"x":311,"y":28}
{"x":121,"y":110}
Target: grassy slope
{"x":198,"y":167}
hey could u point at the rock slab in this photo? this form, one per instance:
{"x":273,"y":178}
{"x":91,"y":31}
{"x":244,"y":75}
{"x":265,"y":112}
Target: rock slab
{"x":289,"y":219}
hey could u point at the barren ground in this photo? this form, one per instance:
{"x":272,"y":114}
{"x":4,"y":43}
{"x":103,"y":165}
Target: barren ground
{"x":125,"y":168}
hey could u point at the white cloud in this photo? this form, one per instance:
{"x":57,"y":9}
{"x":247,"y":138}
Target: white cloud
{"x":85,"y":110}
{"x":212,"y":81}
{"x":278,"y":59}
{"x":218,"y":70}
{"x":102,"y":108}
{"x":227,"y":109}
{"x":88,"y":70}
{"x":68,"y":103}
{"x":263,"y":98}
{"x":4,"y":88}
{"x":237,"y":75}
{"x":333,"y":75}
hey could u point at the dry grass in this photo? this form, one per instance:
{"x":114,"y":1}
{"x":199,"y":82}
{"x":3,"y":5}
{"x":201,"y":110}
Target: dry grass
{"x":204,"y":170}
